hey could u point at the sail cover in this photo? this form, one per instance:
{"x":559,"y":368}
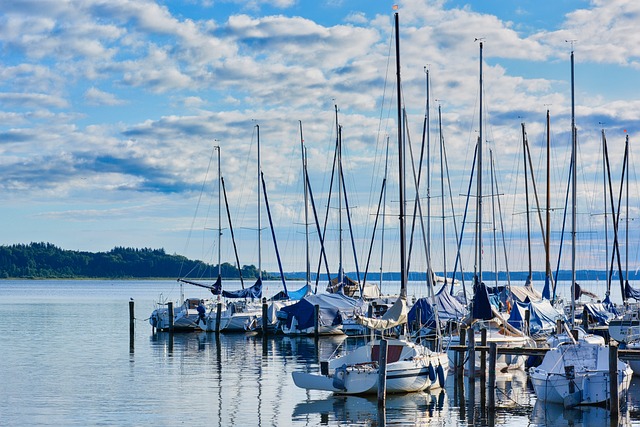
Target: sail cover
{"x":542,"y":316}
{"x":396,"y":315}
{"x":631,"y":292}
{"x":330,"y":305}
{"x":253,"y":292}
{"x":449,"y":308}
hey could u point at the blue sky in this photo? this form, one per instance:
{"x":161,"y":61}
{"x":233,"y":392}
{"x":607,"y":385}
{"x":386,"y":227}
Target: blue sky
{"x":110,"y":112}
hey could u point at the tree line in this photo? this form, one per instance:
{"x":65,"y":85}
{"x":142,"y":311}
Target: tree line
{"x":47,"y":261}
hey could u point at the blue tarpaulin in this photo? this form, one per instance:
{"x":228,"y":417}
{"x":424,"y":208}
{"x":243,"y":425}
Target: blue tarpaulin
{"x":542,"y":316}
{"x":449,"y":308}
{"x":330,"y":305}
{"x":253,"y":292}
{"x":599,"y":313}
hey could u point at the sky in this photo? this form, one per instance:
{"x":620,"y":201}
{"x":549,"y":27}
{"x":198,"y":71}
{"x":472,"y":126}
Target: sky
{"x":110,"y":112}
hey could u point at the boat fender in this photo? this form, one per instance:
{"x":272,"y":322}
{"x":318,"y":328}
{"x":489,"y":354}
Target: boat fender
{"x":339,"y":377}
{"x":432,"y":372}
{"x":441,"y":378}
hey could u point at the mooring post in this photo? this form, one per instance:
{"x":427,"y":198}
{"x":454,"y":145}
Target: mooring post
{"x":483,"y":353}
{"x":493,"y":357}
{"x":316,"y":322}
{"x":460,"y":353}
{"x":132,"y":325}
{"x":559,"y":326}
{"x":527,"y":320}
{"x":218,"y":316}
{"x":170,"y":313}
{"x":370,"y":314}
{"x":382,"y":373}
{"x":472,"y":355}
{"x":265,"y":319}
{"x":613,"y":381}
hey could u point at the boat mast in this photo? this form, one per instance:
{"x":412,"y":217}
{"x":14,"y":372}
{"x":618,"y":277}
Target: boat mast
{"x":306,"y":202}
{"x":219,"y":216}
{"x":574,"y":198}
{"x":403,"y":267}
{"x":339,"y":148}
{"x":444,"y":246}
{"x":526,"y":192}
{"x":479,"y":186}
{"x":548,"y":212}
{"x":626,"y":238}
{"x":259,"y":204}
{"x":427,"y":120}
{"x":384,"y":212}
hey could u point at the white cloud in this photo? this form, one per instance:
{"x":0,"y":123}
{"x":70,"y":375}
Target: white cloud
{"x":95,"y":96}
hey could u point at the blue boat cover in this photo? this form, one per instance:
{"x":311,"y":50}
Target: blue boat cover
{"x":449,"y":308}
{"x":292,"y":295}
{"x":542,"y":316}
{"x":630,"y":292}
{"x":599,"y":313}
{"x":481,"y":306}
{"x":253,"y":292}
{"x":330,"y":305}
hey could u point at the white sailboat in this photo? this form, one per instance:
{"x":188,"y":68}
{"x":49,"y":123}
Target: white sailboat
{"x":410,"y":367}
{"x":576,"y":372}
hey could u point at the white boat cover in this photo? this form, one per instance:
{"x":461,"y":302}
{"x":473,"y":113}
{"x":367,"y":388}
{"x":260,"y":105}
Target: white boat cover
{"x":396,"y":315}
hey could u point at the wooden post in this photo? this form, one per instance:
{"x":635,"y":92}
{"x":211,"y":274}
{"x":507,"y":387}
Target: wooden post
{"x":472,"y":355}
{"x":559,"y":326}
{"x":613,"y":381}
{"x":460,"y":354}
{"x":382,"y":373}
{"x":265,"y":317}
{"x":493,"y":357}
{"x":316,"y":322}
{"x":170,"y":313}
{"x":218,"y":316}
{"x":370,"y":315}
{"x":527,"y":320}
{"x":132,"y":326}
{"x":483,"y":353}
{"x":585,"y":320}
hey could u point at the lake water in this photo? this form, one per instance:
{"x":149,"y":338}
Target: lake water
{"x":65,"y":359}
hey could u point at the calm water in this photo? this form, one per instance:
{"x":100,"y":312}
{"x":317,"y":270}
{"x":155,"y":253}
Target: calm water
{"x":65,"y":359}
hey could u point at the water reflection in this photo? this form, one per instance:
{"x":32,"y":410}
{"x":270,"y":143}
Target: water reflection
{"x":557,"y":415}
{"x":407,"y":409}
{"x":233,"y":370}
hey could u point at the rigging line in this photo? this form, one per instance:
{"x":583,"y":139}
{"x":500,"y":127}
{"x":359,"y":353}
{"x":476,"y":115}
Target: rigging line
{"x":195,"y":214}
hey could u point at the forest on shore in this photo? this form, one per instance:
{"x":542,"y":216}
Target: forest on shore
{"x":47,"y":261}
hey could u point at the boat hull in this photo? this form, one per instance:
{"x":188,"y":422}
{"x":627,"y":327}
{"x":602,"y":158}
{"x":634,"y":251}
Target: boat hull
{"x":578,"y":374}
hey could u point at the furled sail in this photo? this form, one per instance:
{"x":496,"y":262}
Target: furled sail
{"x":396,"y":315}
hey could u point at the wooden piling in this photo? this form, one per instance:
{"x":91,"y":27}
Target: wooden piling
{"x":316,"y":322}
{"x":613,"y":381}
{"x":132,"y":326}
{"x":472,"y":355}
{"x":265,"y":317}
{"x":218,"y":317}
{"x":460,"y":354}
{"x":527,"y":321}
{"x":483,"y":353}
{"x":382,"y":373}
{"x":170,"y":313}
{"x":493,"y":357}
{"x":559,"y":326}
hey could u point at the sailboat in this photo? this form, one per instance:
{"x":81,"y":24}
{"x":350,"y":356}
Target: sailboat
{"x":576,"y":372}
{"x":410,"y":367}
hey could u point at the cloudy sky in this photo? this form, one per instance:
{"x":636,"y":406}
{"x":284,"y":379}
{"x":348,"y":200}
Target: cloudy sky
{"x":110,"y":111}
